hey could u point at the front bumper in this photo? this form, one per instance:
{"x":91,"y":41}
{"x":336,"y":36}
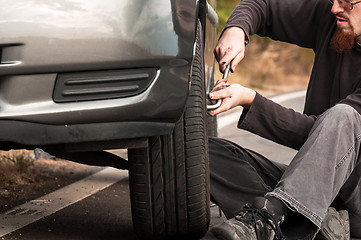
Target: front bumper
{"x":35,"y":119}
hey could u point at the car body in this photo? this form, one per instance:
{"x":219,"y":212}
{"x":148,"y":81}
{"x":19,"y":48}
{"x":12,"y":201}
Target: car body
{"x":43,"y":41}
{"x":82,"y":76}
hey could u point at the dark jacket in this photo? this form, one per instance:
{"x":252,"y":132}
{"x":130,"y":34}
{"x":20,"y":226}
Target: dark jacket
{"x":335,"y":78}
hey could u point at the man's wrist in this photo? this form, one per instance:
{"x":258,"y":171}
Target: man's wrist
{"x":237,"y":31}
{"x":251,"y":94}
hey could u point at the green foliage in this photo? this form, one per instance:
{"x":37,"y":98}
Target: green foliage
{"x":224,"y":10}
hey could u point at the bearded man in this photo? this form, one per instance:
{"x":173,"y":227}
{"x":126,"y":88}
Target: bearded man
{"x":318,"y":195}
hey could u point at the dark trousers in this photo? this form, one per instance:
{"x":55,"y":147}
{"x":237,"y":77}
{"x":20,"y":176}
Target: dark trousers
{"x":239,"y":175}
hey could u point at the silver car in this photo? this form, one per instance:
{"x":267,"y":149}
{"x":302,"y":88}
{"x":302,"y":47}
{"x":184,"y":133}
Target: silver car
{"x":78,"y":77}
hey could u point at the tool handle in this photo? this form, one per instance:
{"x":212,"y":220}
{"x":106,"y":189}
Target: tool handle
{"x":219,"y":101}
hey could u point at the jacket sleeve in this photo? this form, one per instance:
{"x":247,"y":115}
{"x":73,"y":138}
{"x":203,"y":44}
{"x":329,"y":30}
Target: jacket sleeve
{"x":354,"y":100}
{"x":276,"y":123}
{"x":293,"y":21}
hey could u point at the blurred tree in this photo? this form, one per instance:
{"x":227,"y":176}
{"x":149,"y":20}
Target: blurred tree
{"x":224,"y":10}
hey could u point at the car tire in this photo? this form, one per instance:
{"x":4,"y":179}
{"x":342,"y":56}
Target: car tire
{"x":169,"y":179}
{"x":212,"y":123}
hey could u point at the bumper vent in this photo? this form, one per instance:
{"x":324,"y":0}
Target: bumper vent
{"x":86,"y":86}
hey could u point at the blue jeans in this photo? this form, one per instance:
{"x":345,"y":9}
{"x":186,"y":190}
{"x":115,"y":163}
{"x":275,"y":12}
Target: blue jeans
{"x":326,"y":171}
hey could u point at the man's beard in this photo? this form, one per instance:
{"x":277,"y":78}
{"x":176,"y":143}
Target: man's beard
{"x":342,"y":41}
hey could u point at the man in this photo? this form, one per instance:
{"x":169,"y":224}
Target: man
{"x":325,"y":174}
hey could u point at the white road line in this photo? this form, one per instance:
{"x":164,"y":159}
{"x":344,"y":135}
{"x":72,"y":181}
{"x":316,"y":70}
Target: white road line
{"x":288,"y":96}
{"x":35,"y":210}
{"x":228,"y":119}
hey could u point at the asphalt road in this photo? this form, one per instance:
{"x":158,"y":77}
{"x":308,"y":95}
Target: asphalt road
{"x":106,"y":214}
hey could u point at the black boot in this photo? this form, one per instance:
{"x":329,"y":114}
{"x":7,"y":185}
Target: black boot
{"x":252,"y":223}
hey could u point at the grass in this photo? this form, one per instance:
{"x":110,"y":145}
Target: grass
{"x":19,"y":160}
{"x":16,"y":167}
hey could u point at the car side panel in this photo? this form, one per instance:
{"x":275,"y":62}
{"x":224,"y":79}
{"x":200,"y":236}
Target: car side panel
{"x":61,"y":36}
{"x":94,"y":35}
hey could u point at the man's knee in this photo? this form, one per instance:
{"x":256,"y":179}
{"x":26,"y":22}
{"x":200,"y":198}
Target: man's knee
{"x":341,"y":113}
{"x":342,"y":110}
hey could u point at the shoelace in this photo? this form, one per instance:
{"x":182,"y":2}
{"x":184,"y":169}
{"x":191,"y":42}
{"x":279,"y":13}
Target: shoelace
{"x":258,"y":214}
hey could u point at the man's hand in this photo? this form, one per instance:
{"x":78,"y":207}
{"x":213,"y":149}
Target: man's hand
{"x":233,"y":95}
{"x":230,"y":48}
